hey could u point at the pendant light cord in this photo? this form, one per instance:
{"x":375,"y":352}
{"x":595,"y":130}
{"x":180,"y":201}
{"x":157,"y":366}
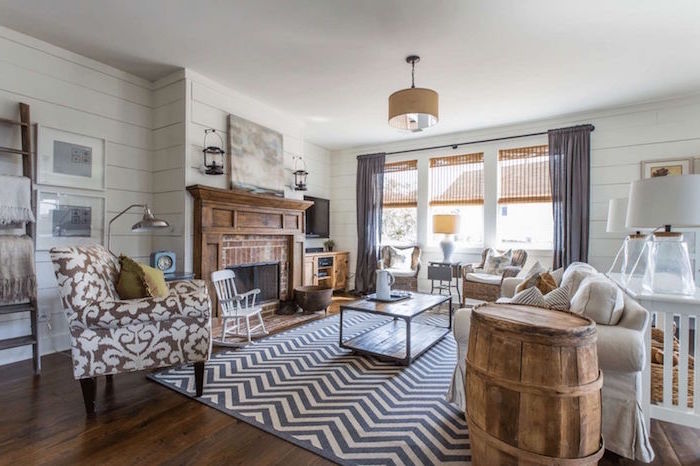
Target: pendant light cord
{"x":413,"y":74}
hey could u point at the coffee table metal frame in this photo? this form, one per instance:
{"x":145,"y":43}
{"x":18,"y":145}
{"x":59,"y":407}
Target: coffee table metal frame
{"x":429,"y":334}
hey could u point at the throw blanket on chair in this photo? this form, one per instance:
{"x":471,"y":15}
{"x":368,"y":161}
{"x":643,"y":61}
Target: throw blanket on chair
{"x":15,"y":200}
{"x":17,"y":273}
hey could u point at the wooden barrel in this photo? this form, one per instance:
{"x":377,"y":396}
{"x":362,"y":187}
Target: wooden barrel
{"x":533,"y":387}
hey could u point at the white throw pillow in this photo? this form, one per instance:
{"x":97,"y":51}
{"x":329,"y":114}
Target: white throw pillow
{"x":400,"y":259}
{"x":557,"y":275}
{"x":599,"y":299}
{"x":495,"y":263}
{"x":575,"y":274}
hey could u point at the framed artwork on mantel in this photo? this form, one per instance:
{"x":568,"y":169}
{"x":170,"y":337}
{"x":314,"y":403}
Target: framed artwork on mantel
{"x":656,"y":168}
{"x":257,"y":162}
{"x":70,"y":159}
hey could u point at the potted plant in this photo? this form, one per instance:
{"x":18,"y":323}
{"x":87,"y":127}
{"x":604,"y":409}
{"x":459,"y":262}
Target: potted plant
{"x":329,"y":244}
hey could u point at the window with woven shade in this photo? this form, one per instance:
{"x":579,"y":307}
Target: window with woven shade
{"x":457,"y":187}
{"x":524,"y":174}
{"x":401,"y":184}
{"x":525,"y":198}
{"x":400,"y":207}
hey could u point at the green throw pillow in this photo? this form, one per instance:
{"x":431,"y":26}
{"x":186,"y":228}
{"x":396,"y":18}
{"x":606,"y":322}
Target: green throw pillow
{"x":140,"y":281}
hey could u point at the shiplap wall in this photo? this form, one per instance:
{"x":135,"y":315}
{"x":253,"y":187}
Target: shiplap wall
{"x":623,"y":138}
{"x":153,"y":136}
{"x":72,"y":93}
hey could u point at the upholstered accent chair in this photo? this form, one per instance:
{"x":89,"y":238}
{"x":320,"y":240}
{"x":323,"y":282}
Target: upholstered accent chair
{"x":405,"y":272}
{"x":110,"y":336}
{"x":477,"y":284}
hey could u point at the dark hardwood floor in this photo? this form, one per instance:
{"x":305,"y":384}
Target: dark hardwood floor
{"x":42,"y":421}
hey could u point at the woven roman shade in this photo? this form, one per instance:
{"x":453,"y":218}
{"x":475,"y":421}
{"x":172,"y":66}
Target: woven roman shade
{"x":524,"y":173}
{"x":457,"y":180}
{"x":401,"y":184}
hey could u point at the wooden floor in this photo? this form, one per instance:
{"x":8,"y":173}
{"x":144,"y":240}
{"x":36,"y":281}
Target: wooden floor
{"x":42,"y":421}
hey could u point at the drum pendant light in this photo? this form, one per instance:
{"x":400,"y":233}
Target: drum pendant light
{"x":413,"y":109}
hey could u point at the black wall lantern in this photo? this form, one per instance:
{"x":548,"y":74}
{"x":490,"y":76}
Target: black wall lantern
{"x":213,"y":155}
{"x":300,"y":174}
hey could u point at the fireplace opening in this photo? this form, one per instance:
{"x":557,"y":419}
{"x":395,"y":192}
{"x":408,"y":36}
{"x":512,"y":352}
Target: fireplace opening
{"x":262,"y":275}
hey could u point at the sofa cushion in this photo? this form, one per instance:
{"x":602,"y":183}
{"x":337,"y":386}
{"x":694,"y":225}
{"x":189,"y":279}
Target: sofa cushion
{"x":401,"y":273}
{"x":599,"y":299}
{"x":574,"y":275}
{"x":481,"y":277}
{"x":495,"y":263}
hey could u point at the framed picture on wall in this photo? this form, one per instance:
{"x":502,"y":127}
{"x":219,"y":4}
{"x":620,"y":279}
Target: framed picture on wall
{"x":656,"y":168}
{"x":69,"y":219}
{"x":70,"y":159}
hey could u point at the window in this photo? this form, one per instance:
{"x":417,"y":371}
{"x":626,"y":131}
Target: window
{"x":457,"y":187}
{"x":400,"y":208}
{"x":525,"y":198}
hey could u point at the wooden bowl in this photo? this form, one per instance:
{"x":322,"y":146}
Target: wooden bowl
{"x":313,"y":298}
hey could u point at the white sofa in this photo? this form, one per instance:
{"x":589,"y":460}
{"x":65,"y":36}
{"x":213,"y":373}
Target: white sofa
{"x":621,"y":357}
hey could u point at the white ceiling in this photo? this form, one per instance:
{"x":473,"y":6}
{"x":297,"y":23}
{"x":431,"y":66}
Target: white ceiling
{"x":333,"y":63}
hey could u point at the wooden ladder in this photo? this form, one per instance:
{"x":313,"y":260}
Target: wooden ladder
{"x":27,"y":154}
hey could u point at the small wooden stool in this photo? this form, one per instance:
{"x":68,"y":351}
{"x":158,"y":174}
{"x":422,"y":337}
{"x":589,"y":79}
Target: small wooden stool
{"x":533,"y":387}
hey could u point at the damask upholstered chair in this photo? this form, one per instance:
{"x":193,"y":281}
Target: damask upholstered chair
{"x":110,"y":336}
{"x":477,"y":284}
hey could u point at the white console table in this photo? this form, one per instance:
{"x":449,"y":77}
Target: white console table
{"x":663,"y":308}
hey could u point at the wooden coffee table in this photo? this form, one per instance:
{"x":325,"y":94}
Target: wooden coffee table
{"x":401,"y":339}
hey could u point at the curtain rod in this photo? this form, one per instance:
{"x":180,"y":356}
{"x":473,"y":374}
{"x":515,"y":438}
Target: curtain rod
{"x":455,"y":146}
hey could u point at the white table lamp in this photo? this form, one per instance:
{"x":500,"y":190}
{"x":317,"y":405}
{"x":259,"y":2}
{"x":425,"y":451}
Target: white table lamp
{"x":631,"y":250}
{"x":447,"y":224}
{"x":666,"y":202}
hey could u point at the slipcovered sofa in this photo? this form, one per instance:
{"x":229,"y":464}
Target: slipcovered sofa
{"x":621,"y":356}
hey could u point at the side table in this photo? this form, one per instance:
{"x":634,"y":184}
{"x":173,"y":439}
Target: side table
{"x":446,"y":274}
{"x":178,"y":275}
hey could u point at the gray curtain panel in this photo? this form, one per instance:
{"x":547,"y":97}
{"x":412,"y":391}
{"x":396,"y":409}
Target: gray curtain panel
{"x":570,"y":170}
{"x":370,"y":194}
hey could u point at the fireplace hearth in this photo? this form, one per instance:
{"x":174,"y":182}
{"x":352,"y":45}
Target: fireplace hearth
{"x":262,"y":275}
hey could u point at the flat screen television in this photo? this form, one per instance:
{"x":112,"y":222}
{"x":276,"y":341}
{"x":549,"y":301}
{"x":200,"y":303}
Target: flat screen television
{"x":317,"y":225}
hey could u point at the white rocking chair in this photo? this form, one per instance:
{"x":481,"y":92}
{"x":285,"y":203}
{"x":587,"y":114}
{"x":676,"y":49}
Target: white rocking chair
{"x":235,"y":306}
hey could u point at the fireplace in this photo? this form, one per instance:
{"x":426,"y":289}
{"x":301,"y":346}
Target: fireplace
{"x":262,"y":275}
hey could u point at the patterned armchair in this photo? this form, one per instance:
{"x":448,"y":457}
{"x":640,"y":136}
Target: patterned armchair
{"x":485,"y":287}
{"x":109,"y":336}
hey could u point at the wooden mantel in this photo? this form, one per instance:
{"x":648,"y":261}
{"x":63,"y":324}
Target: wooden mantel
{"x":221,"y":212}
{"x":237,"y":196}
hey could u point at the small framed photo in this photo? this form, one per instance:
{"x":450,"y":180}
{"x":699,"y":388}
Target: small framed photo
{"x":69,"y":219}
{"x":656,"y":168}
{"x":70,"y":159}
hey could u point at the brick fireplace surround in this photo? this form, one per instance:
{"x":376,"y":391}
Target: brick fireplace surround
{"x":252,"y":249}
{"x":233,"y":227}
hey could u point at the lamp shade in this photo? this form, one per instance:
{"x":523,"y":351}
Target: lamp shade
{"x":447,"y":224}
{"x":617,"y":216}
{"x":664,"y":200}
{"x":413,"y":109}
{"x":149,"y":222}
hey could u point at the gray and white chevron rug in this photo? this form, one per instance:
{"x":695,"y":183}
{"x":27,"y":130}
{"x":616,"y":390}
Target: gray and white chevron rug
{"x":351,"y":409}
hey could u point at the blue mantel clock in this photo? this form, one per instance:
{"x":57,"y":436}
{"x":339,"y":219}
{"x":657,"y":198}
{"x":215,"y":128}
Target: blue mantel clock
{"x":163,"y":261}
